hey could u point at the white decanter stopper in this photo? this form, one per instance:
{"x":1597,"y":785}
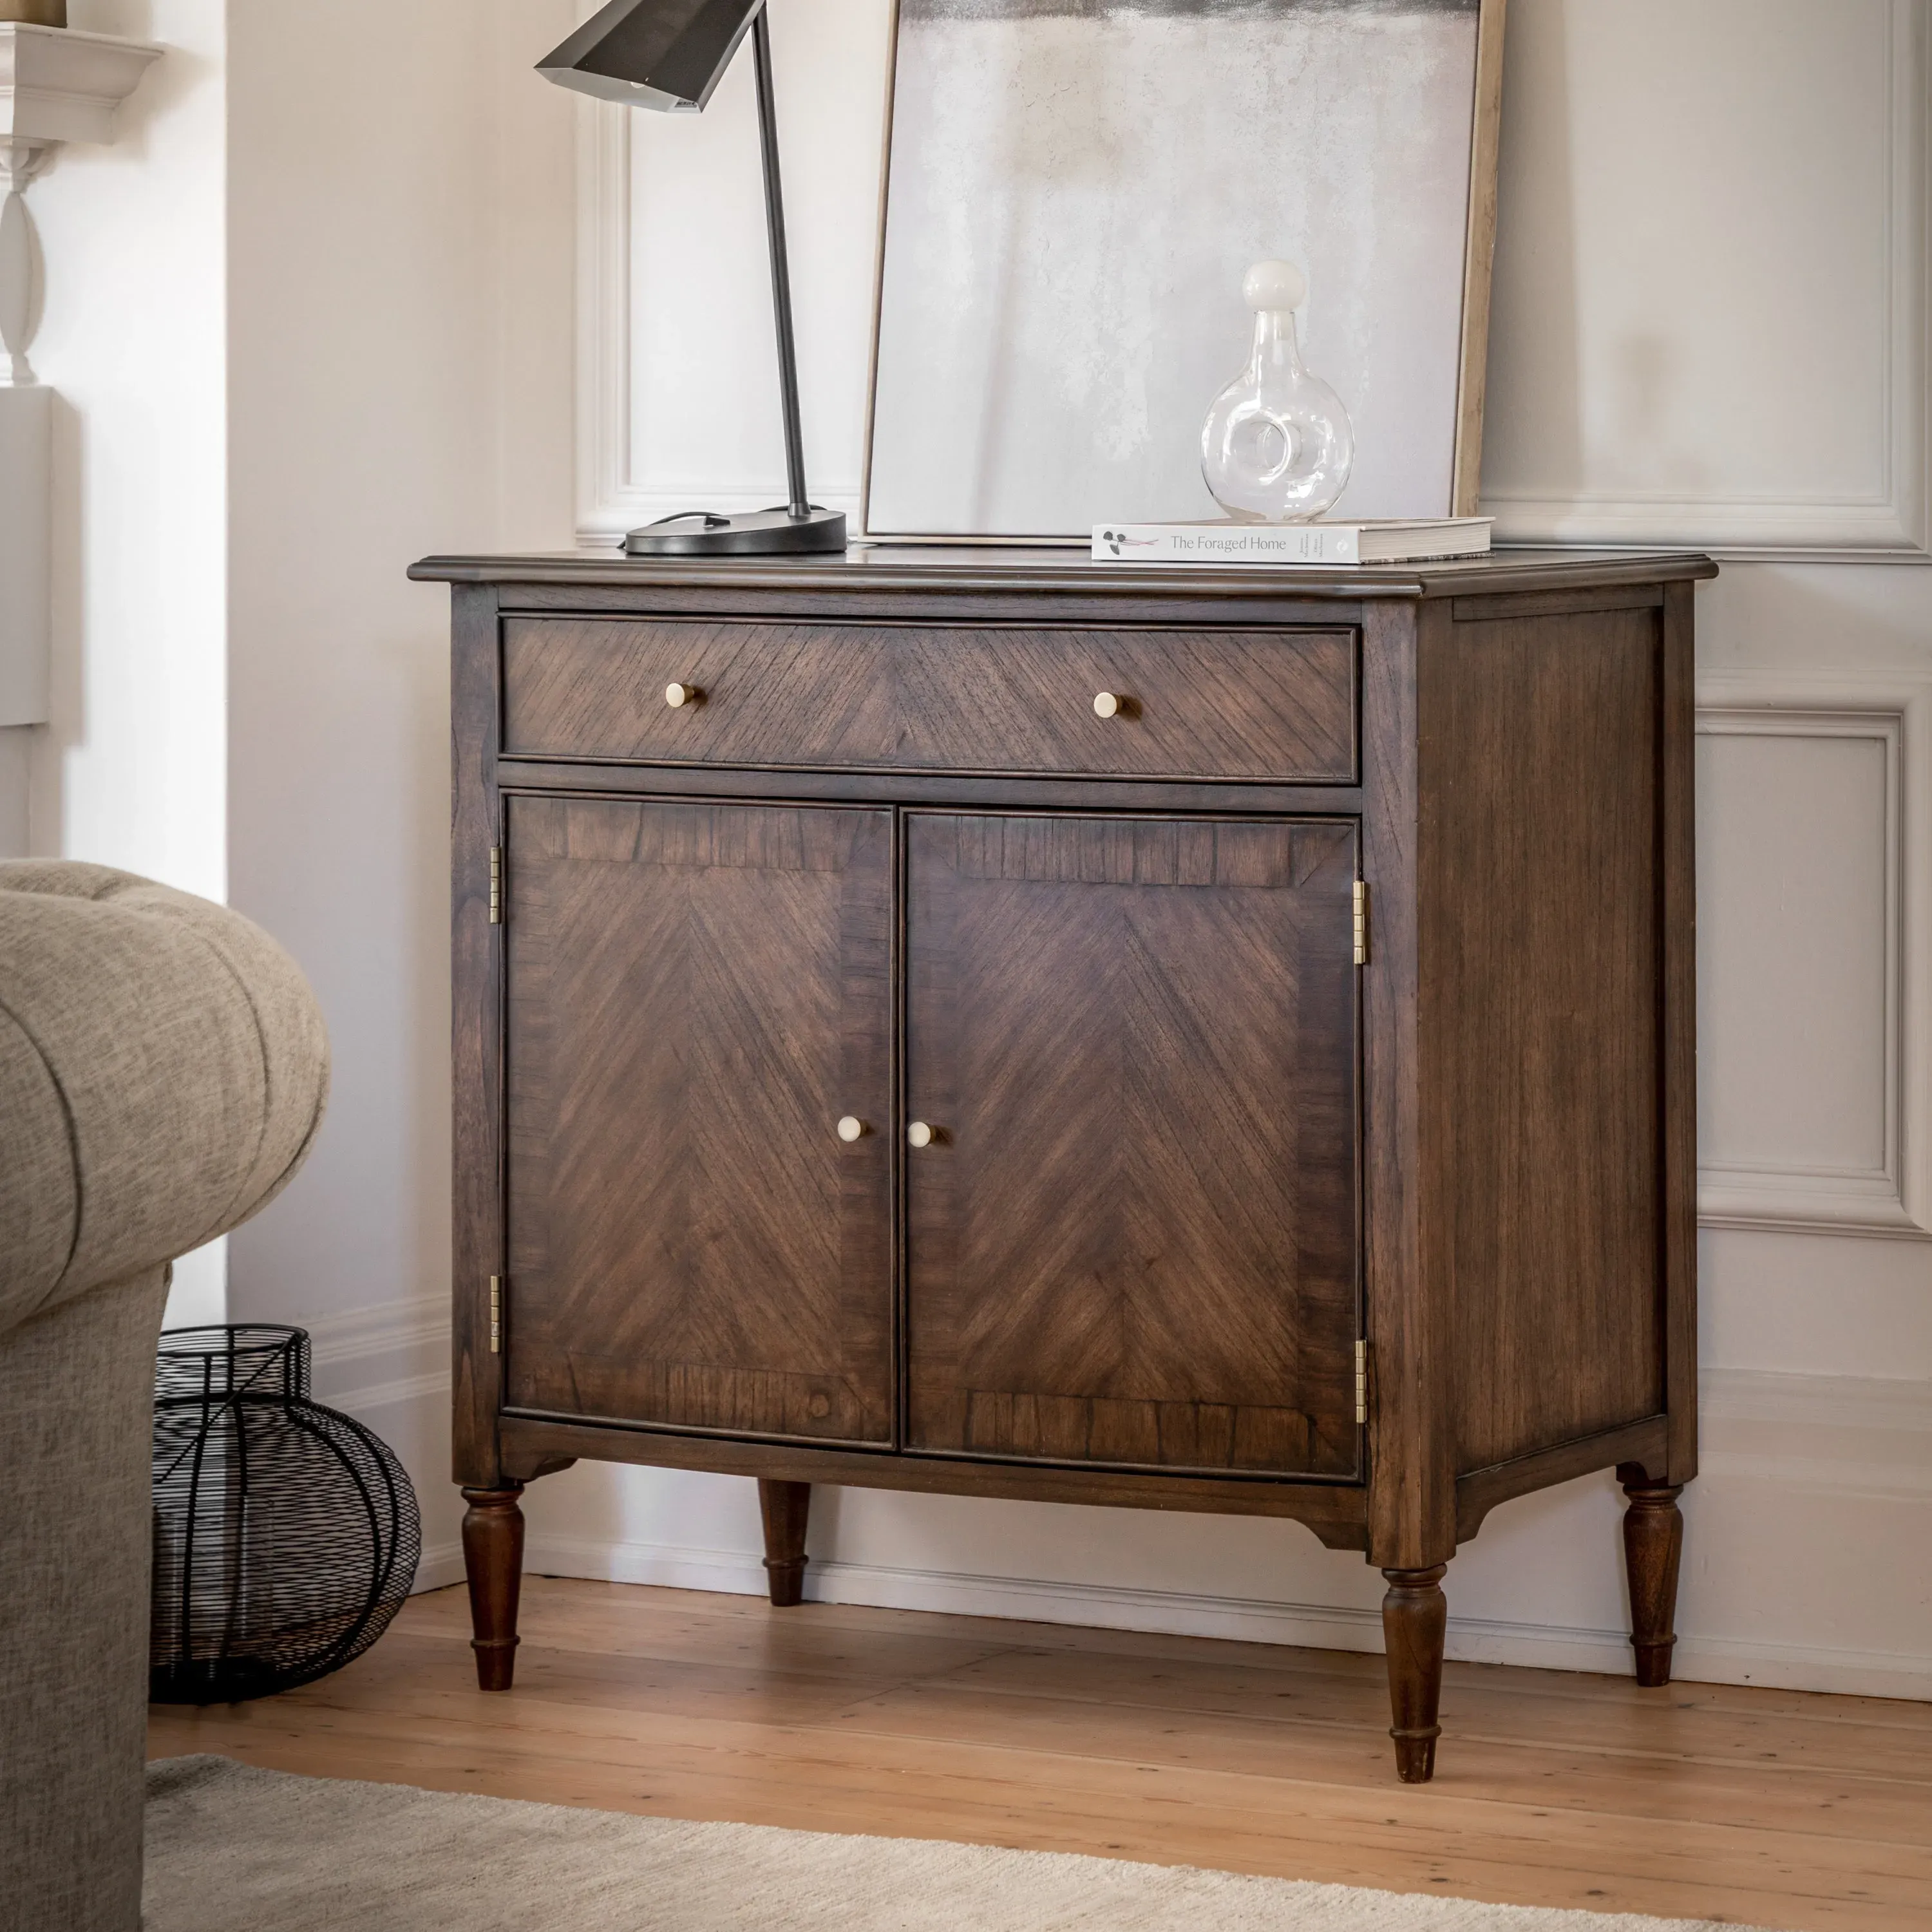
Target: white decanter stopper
{"x":1274,"y":285}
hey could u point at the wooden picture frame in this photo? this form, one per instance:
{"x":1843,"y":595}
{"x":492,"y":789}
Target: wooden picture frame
{"x":922,"y":383}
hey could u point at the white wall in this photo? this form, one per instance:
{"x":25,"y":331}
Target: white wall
{"x":1711,"y":329}
{"x":314,"y":319}
{"x":399,"y":383}
{"x":676,"y":282}
{"x":17,"y":769}
{"x":361,"y":265}
{"x":131,"y":769}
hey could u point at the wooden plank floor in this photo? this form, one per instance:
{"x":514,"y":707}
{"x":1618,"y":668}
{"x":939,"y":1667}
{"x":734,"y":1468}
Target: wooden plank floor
{"x":1769,"y":1808}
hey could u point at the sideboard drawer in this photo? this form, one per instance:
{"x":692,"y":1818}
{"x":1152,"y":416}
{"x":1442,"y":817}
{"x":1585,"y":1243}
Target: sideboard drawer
{"x":1263,"y":706}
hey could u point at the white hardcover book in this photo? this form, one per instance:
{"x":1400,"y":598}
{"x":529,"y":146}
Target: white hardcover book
{"x":1405,"y":540}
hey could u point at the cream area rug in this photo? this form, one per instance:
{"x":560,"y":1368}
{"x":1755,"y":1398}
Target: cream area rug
{"x":234,"y":1850}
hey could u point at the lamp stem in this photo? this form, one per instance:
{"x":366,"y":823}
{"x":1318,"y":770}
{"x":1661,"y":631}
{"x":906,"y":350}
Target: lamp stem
{"x":768,"y":139}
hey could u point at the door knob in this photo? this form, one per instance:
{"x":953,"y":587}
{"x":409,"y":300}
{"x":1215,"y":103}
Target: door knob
{"x":921,"y":1135}
{"x":678,"y":694}
{"x":1108,"y":704}
{"x":851,"y":1128}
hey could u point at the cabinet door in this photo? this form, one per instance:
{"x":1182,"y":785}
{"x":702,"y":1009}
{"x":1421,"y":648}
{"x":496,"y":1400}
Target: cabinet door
{"x":1133,"y":1238}
{"x":695,"y":994}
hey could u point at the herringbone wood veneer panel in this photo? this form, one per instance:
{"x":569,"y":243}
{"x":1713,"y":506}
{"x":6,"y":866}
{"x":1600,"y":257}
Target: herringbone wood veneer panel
{"x":1274,"y":706}
{"x":1134,"y":1242}
{"x":696,"y":993}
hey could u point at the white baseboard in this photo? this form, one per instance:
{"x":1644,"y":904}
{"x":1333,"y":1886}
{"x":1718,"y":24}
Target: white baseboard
{"x":440,"y":1565}
{"x":1029,"y":1599}
{"x":1853,"y":1442}
{"x":1703,"y":1660}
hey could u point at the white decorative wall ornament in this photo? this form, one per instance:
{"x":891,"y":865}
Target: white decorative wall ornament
{"x":55,"y":86}
{"x":1815,"y":955}
{"x":20,"y":279}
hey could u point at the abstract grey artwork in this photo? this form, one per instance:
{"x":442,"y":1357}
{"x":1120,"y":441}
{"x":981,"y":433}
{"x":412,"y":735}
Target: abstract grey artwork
{"x":1074,"y":189}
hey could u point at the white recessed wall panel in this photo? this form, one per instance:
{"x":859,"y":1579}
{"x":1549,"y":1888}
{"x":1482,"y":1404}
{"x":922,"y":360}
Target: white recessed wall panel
{"x":1710,"y":314}
{"x":678,"y":369}
{"x":1812,"y":957}
{"x":1711,"y":330}
{"x":1793,"y":928}
{"x":1709,"y":321}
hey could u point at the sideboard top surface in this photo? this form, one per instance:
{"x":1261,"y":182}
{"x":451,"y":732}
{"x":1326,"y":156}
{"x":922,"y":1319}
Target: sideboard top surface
{"x":1017,"y":569}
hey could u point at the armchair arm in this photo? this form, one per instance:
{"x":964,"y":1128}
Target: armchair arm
{"x":162,"y":1072}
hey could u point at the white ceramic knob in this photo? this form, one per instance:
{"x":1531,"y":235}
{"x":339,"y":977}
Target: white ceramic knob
{"x":1271,"y":285}
{"x":919,"y":1134}
{"x":851,"y":1128}
{"x":1107,"y":704}
{"x":678,"y":694}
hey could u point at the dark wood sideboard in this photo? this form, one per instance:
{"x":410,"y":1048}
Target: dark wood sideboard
{"x":997,"y":1023}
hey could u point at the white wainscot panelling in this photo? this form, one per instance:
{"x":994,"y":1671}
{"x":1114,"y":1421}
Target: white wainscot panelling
{"x":1806,"y":1561}
{"x":1812,"y":958}
{"x":1710,"y":314}
{"x":677,"y":370}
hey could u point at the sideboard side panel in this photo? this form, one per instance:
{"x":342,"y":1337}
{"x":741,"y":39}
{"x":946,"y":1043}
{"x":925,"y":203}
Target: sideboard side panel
{"x":1543,"y":908}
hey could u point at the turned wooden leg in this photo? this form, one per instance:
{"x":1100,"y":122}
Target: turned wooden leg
{"x":785,"y":1506}
{"x":1415,"y":1618}
{"x":492,"y":1559}
{"x":1653,"y":1547}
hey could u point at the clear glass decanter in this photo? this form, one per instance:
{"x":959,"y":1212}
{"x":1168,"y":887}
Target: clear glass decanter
{"x":1277,"y":445}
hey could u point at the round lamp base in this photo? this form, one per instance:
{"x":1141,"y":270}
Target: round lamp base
{"x":757,"y":533}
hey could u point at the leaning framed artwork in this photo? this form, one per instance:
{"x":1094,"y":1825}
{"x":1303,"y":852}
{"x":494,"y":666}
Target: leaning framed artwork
{"x":1072,"y":190}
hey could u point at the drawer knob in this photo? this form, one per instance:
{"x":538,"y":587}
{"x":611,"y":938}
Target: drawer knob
{"x":921,"y":1135}
{"x":1109,"y":704}
{"x":851,"y":1128}
{"x":677,"y":695}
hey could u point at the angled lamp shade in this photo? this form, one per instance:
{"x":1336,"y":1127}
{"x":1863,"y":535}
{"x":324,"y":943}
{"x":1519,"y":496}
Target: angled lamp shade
{"x":666,"y":54}
{"x":670,"y":55}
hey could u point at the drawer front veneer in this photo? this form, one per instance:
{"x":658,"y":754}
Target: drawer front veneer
{"x":1258,"y":706}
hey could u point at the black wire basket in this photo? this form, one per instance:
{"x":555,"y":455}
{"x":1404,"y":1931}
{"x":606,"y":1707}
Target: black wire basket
{"x":286,"y":1534}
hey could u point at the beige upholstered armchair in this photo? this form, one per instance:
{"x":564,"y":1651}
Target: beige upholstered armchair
{"x":163,"y":1069}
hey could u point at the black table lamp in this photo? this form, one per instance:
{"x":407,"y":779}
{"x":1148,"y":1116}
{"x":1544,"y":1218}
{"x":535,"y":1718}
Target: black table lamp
{"x":670,"y":55}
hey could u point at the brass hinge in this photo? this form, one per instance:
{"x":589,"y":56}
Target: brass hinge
{"x":1361,"y":1382}
{"x":496,"y":1315}
{"x":1361,"y":922}
{"x":496,"y":885}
